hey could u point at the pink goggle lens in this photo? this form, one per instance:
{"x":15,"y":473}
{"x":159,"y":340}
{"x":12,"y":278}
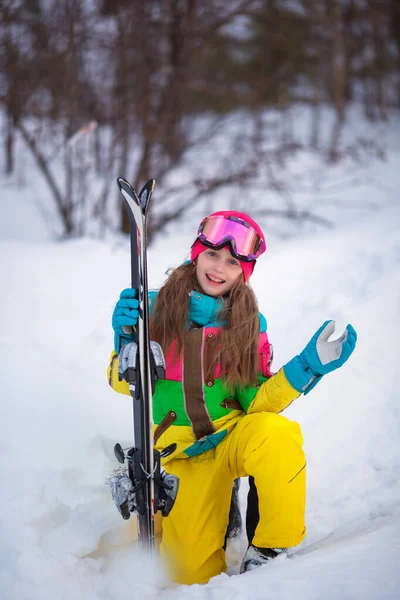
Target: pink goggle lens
{"x":245,"y":242}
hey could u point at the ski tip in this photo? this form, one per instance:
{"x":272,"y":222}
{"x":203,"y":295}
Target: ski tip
{"x":121,"y":181}
{"x":149,"y":186}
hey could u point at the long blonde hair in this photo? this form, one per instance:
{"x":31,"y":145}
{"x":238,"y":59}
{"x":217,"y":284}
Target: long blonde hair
{"x":238,"y":338}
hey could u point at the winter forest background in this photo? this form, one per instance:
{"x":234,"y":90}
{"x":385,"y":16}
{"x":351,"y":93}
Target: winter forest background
{"x":100,"y":88}
{"x":287,"y":109}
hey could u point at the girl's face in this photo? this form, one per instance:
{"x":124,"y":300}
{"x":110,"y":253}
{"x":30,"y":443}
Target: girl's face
{"x":217,"y":271}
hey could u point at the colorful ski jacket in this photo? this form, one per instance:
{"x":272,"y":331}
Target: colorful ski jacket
{"x":192,"y":406}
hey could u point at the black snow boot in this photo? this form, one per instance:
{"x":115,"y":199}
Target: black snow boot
{"x":256,"y":557}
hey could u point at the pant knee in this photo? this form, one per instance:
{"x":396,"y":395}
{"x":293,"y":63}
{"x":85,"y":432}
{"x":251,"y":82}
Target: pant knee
{"x":268,"y":444}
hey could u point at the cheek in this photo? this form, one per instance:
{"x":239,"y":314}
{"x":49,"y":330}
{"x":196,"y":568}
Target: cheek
{"x":199,"y":268}
{"x":202,"y":264}
{"x":236,"y":275}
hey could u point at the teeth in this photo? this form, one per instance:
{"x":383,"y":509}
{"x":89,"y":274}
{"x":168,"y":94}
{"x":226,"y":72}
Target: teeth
{"x":216,"y":280}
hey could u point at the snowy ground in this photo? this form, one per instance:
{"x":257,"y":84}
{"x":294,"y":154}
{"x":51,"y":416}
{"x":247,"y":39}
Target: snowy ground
{"x":61,"y":536}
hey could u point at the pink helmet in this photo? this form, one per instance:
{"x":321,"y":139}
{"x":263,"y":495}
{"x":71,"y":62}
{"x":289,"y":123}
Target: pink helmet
{"x":236,"y":230}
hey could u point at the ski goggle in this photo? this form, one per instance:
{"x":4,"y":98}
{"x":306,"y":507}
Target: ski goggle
{"x":244,"y":241}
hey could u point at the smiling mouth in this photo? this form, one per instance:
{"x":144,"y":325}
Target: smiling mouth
{"x":214,"y":279}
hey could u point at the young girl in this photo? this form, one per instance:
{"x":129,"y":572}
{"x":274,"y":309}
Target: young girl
{"x":220,"y":402}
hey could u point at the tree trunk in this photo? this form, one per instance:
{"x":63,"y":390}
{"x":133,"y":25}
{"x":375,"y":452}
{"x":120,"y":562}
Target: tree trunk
{"x":339,"y":72}
{"x":9,"y":147}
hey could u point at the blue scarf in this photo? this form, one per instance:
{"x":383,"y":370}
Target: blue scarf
{"x":203,"y":310}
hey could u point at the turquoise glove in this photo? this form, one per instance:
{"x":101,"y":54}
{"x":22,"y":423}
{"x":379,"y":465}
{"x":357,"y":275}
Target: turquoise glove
{"x":125,"y":316}
{"x":320,"y":357}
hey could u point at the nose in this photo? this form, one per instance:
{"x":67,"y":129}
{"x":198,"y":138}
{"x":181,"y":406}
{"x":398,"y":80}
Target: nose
{"x":219,"y":266}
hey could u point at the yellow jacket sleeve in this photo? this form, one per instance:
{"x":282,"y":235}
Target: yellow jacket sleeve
{"x":112,"y":376}
{"x":274,"y":395}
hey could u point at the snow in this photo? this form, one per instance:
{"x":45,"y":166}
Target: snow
{"x":61,"y":535}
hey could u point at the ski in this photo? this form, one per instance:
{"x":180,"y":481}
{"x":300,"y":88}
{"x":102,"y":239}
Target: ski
{"x":144,"y":489}
{"x":141,"y":392}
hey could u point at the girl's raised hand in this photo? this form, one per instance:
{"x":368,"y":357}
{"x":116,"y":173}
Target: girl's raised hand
{"x":320,"y":357}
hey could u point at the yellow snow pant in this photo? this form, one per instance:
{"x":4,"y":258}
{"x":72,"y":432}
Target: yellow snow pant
{"x":268,"y":447}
